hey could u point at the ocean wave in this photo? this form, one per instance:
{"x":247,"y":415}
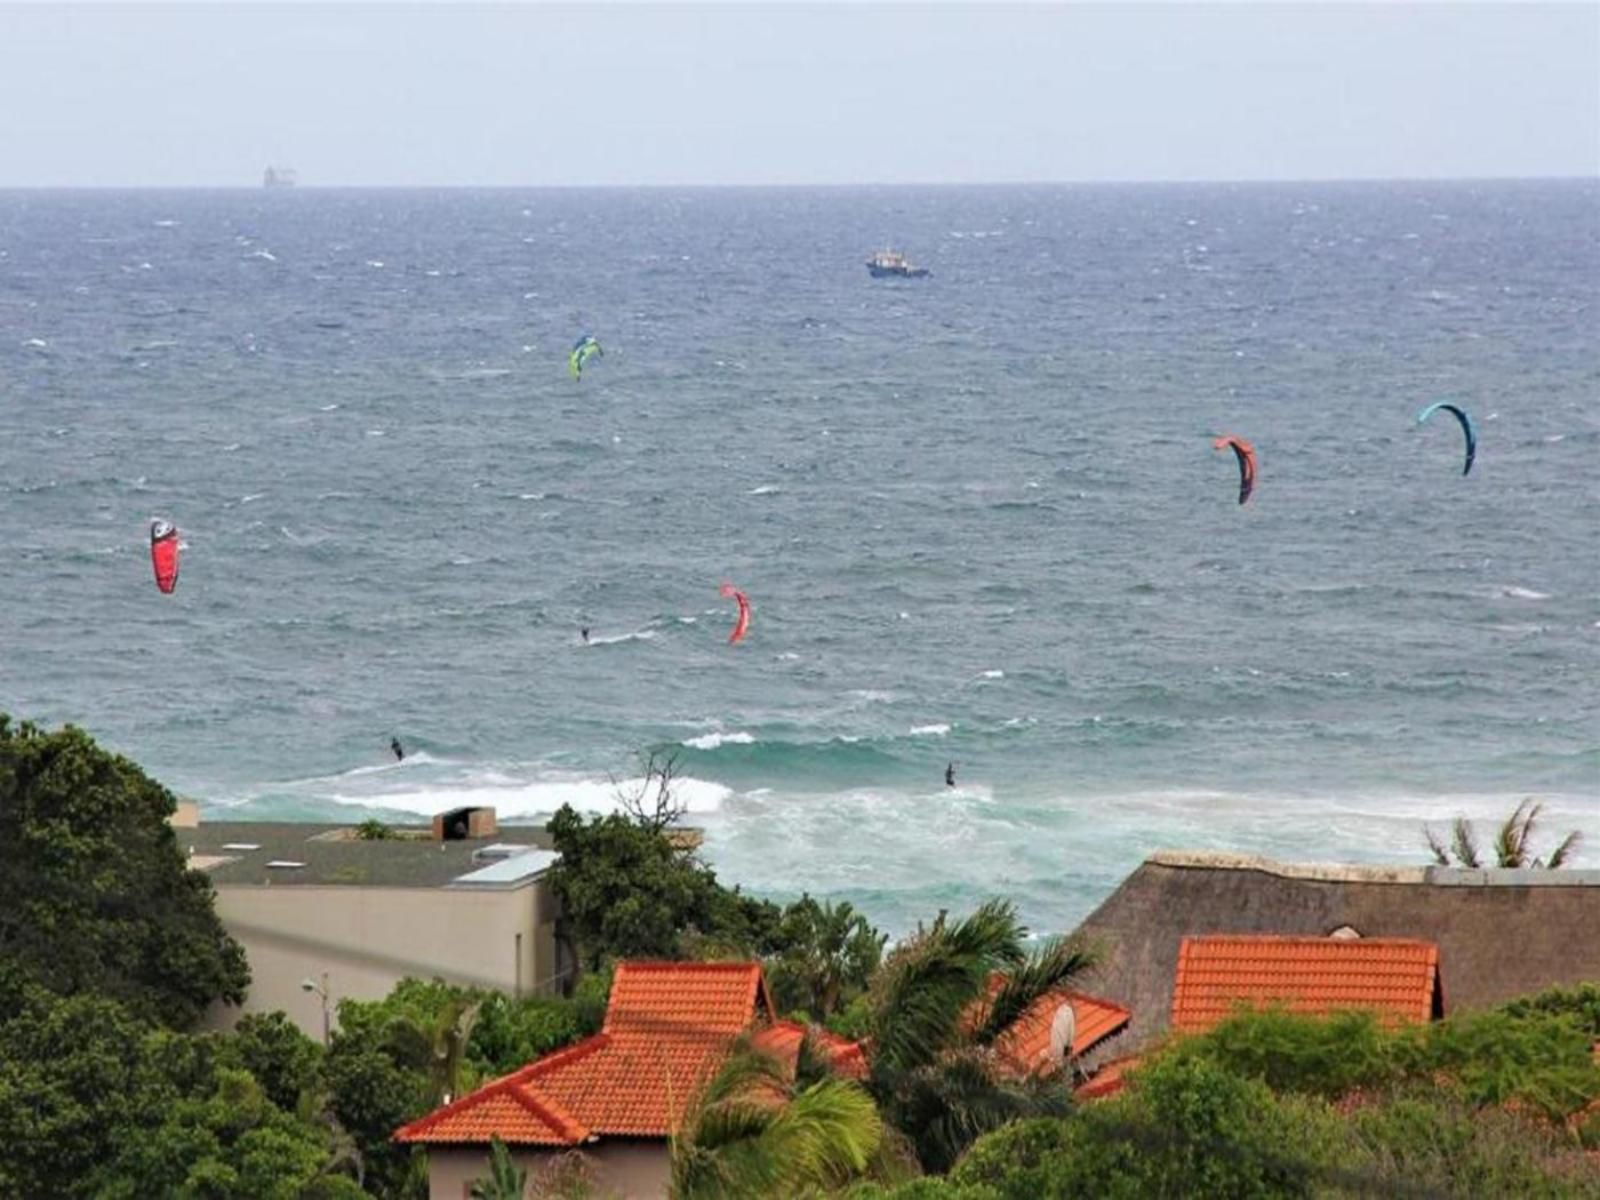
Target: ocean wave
{"x":531,"y":798}
{"x":638,"y":635}
{"x":765,"y":489}
{"x":1521,"y":593}
{"x":937,"y":730}
{"x":710,"y":741}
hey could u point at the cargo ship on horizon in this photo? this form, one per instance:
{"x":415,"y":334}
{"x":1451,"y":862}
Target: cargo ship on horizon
{"x":891,"y":264}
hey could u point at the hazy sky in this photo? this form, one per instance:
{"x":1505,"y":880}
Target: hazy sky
{"x":134,"y":94}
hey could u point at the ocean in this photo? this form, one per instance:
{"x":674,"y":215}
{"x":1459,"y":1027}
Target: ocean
{"x":978,"y":515}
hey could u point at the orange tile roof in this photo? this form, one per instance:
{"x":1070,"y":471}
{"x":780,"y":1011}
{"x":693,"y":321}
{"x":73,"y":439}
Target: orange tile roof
{"x":782,"y":1039}
{"x":667,"y":1027}
{"x":1027,"y":1043}
{"x":1396,"y":977}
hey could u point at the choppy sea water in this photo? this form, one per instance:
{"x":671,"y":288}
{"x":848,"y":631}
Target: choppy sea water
{"x":978,"y":515}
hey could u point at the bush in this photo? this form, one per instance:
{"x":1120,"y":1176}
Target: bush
{"x":1186,"y":1127}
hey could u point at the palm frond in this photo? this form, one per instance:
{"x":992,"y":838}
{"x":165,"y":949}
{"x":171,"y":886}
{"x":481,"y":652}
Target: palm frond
{"x":1565,"y":850}
{"x":1044,"y":971}
{"x":746,"y":1135}
{"x":1441,"y":856}
{"x":1514,"y":836}
{"x":1466,"y":845}
{"x":825,"y":1136}
{"x":921,"y":994}
{"x":943,"y":1108}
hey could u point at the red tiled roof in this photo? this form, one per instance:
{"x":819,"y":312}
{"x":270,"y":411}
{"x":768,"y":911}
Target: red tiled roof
{"x":782,"y":1039}
{"x":1396,"y":977}
{"x":1027,"y":1043}
{"x":703,"y":997}
{"x":667,"y":1027}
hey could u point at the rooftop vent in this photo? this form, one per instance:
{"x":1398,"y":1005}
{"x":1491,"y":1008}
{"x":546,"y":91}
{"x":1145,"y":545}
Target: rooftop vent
{"x":499,"y":852}
{"x":458,"y":824}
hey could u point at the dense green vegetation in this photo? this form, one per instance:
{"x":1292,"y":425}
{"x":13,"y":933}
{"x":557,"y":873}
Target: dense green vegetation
{"x":94,"y":895}
{"x":1274,"y":1105}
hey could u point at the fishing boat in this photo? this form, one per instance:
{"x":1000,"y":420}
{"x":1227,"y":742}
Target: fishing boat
{"x":891,"y":264}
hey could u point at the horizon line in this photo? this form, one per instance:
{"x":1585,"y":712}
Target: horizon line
{"x":793,"y":186}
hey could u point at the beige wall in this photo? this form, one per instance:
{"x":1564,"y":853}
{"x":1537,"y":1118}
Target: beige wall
{"x":369,"y":938}
{"x":622,"y":1170}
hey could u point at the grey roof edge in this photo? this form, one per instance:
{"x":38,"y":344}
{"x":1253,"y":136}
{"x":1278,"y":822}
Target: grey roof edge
{"x":1359,"y":873}
{"x":1328,"y":872}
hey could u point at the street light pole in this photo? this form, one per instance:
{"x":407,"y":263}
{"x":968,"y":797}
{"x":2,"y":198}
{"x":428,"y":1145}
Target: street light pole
{"x":309,"y":985}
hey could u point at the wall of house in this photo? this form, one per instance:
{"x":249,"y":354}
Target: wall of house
{"x":635,"y":1169}
{"x":366,"y":939}
{"x":1501,"y":934}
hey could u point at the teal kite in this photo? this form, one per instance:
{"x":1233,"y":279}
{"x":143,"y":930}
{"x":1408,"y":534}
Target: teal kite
{"x":583,"y":350}
{"x":1466,"y":428}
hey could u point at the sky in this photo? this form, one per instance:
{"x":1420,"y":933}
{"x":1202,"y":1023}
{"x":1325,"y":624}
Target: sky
{"x":209,"y":94}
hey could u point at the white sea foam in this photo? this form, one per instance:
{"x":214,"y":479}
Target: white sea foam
{"x":264,"y":255}
{"x":375,"y":263}
{"x":530,"y":798}
{"x":638,"y":635}
{"x":994,"y":675}
{"x":929,"y":730}
{"x":327,"y":408}
{"x":710,"y":741}
{"x":36,"y":343}
{"x":1522,"y":593}
{"x":765,"y":489}
{"x":788,"y":656}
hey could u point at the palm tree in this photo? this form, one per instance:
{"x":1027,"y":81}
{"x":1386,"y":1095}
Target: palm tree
{"x":934,"y":1070}
{"x":506,"y":1180}
{"x":1512,"y":844}
{"x":832,"y":954}
{"x":752,"y":1131}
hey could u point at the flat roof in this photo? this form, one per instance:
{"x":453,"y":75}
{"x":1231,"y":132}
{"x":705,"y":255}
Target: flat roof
{"x":333,"y":854}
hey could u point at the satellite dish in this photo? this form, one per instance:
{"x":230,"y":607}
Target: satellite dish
{"x":1063,"y":1029}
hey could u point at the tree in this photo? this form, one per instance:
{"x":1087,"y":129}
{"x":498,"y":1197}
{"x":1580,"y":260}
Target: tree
{"x":652,"y":804}
{"x":506,"y":1180}
{"x":934,"y":1071}
{"x":1512,"y":843}
{"x":284,"y":1061}
{"x":626,"y":891}
{"x":752,"y":1132}
{"x":94,"y":894}
{"x":829,"y":954}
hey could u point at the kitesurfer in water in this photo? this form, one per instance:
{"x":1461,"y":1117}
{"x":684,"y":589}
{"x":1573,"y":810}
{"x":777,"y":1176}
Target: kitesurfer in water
{"x":950,"y":775}
{"x":399,"y":751}
{"x":585,"y":632}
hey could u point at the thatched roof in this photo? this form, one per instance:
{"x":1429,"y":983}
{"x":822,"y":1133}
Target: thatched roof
{"x":1500,"y":934}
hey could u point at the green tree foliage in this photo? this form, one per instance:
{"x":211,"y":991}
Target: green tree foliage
{"x":94,"y":893}
{"x":1581,"y":1003}
{"x":934,"y":1072}
{"x":1189,"y":1128}
{"x":752,"y":1132}
{"x":629,"y":891}
{"x":228,"y":1143}
{"x":94,"y":1102}
{"x":1536,"y":1054}
{"x":285,"y":1062}
{"x":828,"y":954}
{"x":394,"y":1060}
